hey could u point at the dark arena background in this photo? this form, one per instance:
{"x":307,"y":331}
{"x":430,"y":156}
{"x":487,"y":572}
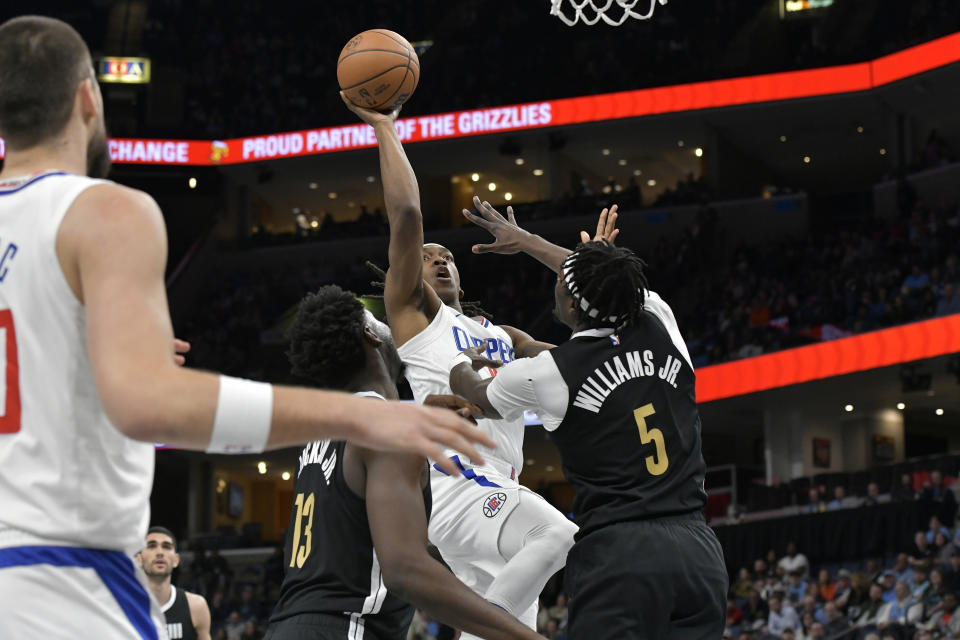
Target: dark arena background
{"x":788,"y":169}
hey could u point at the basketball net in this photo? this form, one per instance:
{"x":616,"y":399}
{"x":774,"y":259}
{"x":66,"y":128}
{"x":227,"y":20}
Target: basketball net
{"x":591,"y":11}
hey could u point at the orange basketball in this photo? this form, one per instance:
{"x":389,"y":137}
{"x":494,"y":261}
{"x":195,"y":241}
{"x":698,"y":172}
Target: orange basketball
{"x":378,"y":69}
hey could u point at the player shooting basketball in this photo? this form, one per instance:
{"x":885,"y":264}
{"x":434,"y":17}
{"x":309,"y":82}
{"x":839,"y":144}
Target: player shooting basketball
{"x":501,"y":539}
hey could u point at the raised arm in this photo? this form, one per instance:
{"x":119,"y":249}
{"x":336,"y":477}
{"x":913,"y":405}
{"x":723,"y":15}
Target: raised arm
{"x":410,"y":303}
{"x":112,"y":248}
{"x":398,"y":526}
{"x":509,"y":238}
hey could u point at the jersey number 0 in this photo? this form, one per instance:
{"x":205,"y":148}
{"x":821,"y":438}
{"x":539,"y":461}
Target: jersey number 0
{"x":10,"y":395}
{"x":656,"y":464}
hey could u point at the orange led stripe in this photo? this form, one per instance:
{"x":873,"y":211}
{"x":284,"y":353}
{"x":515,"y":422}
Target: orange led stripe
{"x":906,"y":343}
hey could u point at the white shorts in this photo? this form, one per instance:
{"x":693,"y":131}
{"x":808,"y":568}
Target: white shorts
{"x":466,"y":518}
{"x":70,"y":592}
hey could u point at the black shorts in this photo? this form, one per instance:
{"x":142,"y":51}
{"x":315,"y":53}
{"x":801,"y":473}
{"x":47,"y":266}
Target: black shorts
{"x":322,"y":626}
{"x":663,"y":578}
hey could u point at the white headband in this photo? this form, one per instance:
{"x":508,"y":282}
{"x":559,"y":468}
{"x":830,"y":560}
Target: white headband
{"x":572,"y":287}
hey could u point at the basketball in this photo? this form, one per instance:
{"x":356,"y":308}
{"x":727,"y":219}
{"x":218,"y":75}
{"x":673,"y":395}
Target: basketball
{"x":378,"y":69}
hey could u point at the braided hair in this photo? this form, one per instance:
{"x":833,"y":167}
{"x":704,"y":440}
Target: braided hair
{"x":326,"y":338}
{"x":471,"y":308}
{"x":607,"y":283}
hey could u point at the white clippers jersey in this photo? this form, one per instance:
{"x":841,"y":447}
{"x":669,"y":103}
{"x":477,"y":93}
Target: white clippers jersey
{"x":428,"y":355}
{"x":66,"y":474}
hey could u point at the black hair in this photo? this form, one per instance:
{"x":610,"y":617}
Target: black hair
{"x":471,"y":308}
{"x":42,"y":62}
{"x":163,"y":531}
{"x":326,"y":338}
{"x":612,"y":280}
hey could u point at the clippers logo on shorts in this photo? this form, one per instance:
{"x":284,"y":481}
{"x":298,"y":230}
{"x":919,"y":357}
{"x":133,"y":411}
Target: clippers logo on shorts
{"x":493,"y":503}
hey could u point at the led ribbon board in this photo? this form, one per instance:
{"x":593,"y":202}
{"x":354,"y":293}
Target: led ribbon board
{"x":611,"y":106}
{"x":906,"y":343}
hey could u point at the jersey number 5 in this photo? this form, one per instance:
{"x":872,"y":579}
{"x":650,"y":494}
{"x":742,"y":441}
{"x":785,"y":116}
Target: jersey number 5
{"x":298,"y":553}
{"x":656,"y":464}
{"x":10,"y":394}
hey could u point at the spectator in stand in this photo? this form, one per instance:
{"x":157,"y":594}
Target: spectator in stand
{"x":734,"y":616}
{"x":793,"y":560}
{"x":744,"y":584}
{"x":916,"y":281}
{"x":840,"y":500}
{"x":558,"y":611}
{"x":815,"y":503}
{"x":810,"y":607}
{"x":939,"y":493}
{"x":754,"y":609}
{"x":842,"y":590}
{"x":949,"y":300}
{"x":781,"y":616}
{"x":935,"y":526}
{"x":805,"y":630}
{"x":870,"y":610}
{"x":796,"y":587}
{"x":826,"y":588}
{"x":902,"y":567}
{"x":888,"y":582}
{"x":920,"y":583}
{"x":952,"y":574}
{"x":905,"y":491}
{"x":921,"y":547}
{"x":934,"y":595}
{"x":859,"y":592}
{"x":760,"y":568}
{"x":903,"y":610}
{"x":945,"y":619}
{"x":788,"y":634}
{"x":943,"y":549}
{"x":771,"y":586}
{"x":873,"y":496}
{"x":835,"y":622}
{"x":234,"y":627}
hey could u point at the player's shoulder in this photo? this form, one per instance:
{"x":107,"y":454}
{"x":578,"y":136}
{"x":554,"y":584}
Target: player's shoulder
{"x":194,"y":599}
{"x":108,"y":197}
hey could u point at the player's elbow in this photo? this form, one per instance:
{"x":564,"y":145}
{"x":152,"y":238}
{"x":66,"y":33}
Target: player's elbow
{"x":400,"y":572}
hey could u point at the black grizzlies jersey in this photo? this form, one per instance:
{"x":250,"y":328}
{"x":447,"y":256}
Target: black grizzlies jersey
{"x":330,"y":564}
{"x":630,"y":439}
{"x":177,"y":615}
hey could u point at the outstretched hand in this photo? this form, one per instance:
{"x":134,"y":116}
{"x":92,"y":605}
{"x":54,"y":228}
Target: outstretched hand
{"x":508,"y":236}
{"x":606,"y":227}
{"x":370,"y":116}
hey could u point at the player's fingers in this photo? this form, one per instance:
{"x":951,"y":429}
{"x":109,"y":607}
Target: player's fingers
{"x":613,"y":236}
{"x":459,"y":442}
{"x":584,"y":236}
{"x":487,"y":210}
{"x":181,"y":346}
{"x":179,"y":360}
{"x":433,"y":452}
{"x":510,"y":217}
{"x":477,"y":220}
{"x":485,"y":248}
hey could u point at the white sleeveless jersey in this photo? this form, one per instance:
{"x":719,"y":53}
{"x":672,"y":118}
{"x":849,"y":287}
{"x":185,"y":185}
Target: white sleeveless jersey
{"x":427,"y":357}
{"x":67,"y":475}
